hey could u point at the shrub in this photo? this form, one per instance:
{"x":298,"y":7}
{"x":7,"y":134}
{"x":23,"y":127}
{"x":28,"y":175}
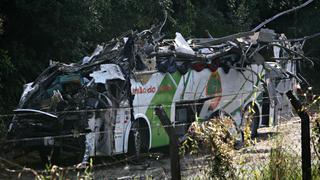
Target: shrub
{"x":212,"y":137}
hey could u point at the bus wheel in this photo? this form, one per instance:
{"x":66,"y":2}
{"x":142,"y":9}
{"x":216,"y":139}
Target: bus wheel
{"x":138,"y":139}
{"x":253,"y":119}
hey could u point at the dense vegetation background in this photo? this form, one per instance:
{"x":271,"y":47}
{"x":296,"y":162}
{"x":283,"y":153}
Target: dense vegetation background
{"x":32,"y":32}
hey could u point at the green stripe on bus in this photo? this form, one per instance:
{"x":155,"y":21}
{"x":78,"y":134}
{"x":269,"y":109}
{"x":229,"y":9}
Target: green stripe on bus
{"x":164,"y":96}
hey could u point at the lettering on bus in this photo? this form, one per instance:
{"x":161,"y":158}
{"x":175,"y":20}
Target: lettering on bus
{"x":144,"y":90}
{"x":165,"y":88}
{"x":151,"y":89}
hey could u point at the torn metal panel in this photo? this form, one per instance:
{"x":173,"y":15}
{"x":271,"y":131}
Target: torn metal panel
{"x":27,"y":88}
{"x":107,"y":72}
{"x":181,"y":45}
{"x":221,"y":40}
{"x":266,"y":35}
{"x":96,"y":52}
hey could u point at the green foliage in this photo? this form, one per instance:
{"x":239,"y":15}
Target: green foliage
{"x":183,"y":20}
{"x":1,"y":25}
{"x":283,"y":164}
{"x":214,"y":138}
{"x":6,"y":66}
{"x":3,"y":128}
{"x":7,"y":90}
{"x":243,"y":13}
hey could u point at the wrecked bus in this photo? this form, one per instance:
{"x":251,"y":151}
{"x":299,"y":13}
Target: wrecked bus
{"x":104,"y":105}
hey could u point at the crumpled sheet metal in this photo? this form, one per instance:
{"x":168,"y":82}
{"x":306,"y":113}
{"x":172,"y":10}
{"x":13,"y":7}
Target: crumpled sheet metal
{"x":107,"y":72}
{"x":123,"y":57}
{"x":181,"y":45}
{"x":136,"y":56}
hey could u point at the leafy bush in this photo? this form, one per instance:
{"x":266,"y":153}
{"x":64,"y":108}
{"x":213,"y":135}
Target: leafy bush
{"x":213,"y":138}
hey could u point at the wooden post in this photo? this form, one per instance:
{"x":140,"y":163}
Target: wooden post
{"x":174,"y":147}
{"x":305,"y":136}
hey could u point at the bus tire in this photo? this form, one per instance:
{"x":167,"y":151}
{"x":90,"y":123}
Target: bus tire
{"x":138,"y":139}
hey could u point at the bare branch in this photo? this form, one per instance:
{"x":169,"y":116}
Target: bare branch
{"x":280,"y":14}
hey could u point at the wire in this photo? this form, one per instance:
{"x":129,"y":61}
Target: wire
{"x":76,"y":135}
{"x":165,"y":104}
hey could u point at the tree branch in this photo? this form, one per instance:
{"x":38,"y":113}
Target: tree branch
{"x":280,"y":14}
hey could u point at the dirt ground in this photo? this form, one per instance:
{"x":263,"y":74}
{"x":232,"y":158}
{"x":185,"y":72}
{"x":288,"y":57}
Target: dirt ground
{"x":157,"y":164}
{"x":286,"y":135}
